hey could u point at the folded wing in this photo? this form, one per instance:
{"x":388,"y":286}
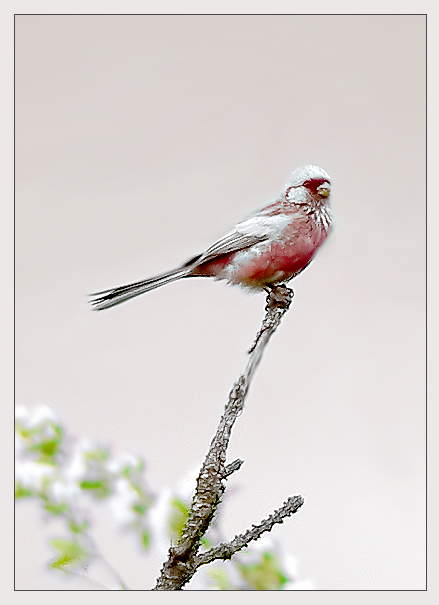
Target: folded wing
{"x":248,"y":233}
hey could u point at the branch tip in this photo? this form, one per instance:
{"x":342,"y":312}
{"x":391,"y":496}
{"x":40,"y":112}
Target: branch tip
{"x":232,"y":468}
{"x":226,"y":550}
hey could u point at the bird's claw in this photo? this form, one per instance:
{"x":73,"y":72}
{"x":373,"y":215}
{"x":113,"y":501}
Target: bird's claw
{"x":279,"y":296}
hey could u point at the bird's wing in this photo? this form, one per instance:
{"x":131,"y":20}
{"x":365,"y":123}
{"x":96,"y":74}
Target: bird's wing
{"x":248,"y":233}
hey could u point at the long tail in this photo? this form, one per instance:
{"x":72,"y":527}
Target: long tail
{"x":115,"y":296}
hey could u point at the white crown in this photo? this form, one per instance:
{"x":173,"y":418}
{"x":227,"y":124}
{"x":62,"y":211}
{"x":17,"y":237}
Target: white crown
{"x":307,"y":173}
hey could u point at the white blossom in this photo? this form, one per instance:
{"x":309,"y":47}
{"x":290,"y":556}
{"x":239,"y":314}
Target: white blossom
{"x":33,"y":475}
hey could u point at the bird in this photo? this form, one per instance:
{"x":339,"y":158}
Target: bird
{"x":267,"y":249}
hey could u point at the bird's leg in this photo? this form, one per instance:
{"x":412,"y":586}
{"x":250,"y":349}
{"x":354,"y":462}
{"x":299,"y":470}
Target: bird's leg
{"x":279,"y":295}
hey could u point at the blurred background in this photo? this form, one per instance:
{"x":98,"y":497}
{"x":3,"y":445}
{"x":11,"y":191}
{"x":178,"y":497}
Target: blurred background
{"x":139,"y":141}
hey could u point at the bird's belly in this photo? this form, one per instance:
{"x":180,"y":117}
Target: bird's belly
{"x":271,"y":263}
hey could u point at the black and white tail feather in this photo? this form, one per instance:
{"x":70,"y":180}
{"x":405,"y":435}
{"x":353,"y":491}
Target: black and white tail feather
{"x":115,"y":296}
{"x":243,"y":236}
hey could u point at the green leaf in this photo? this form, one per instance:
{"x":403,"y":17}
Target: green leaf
{"x":99,"y":454}
{"x":265,"y":575}
{"x":47,"y":447}
{"x":100,"y":489}
{"x":22,"y":492}
{"x":146,"y":540}
{"x":178,"y":517}
{"x":139,"y":508}
{"x":221,"y":579}
{"x":55,"y":509}
{"x":78,"y":528}
{"x":70,"y":552}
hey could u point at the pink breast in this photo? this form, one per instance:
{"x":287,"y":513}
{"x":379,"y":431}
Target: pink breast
{"x":266,"y":264}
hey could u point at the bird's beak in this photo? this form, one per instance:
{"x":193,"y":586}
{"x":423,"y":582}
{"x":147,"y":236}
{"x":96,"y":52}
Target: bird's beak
{"x":324,"y":189}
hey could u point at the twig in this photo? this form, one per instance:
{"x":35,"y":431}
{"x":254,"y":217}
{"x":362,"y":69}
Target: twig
{"x":232,"y":468}
{"x":183,"y":559}
{"x":227,"y":550}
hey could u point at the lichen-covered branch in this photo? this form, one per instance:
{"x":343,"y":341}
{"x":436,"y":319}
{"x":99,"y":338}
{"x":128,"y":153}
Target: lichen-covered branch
{"x":183,"y":559}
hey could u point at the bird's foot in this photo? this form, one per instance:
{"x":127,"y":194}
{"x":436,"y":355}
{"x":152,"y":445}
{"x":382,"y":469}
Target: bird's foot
{"x":279,"y":296}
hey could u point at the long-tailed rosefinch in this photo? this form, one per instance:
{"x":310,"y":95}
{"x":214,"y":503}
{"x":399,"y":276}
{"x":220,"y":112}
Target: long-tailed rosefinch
{"x":267,"y":249}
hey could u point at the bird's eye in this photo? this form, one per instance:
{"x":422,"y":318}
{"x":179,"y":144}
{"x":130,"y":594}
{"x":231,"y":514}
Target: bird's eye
{"x":318,"y":187}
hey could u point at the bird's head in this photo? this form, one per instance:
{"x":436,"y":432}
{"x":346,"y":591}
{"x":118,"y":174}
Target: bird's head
{"x":309,"y":184}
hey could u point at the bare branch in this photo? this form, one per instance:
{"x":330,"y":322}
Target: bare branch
{"x":182,"y":560}
{"x":227,"y":550}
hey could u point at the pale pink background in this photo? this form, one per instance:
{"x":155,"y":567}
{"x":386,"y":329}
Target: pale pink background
{"x":141,"y":139}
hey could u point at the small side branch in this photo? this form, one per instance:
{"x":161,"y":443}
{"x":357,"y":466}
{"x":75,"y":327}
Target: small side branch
{"x":182,"y":560}
{"x":227,"y":550}
{"x":232,"y":467}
